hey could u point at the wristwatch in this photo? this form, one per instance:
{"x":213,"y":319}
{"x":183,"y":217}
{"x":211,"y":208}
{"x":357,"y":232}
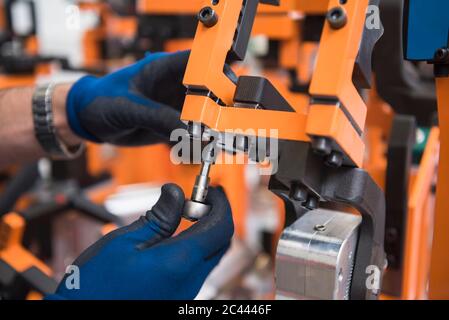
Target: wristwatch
{"x":44,"y":128}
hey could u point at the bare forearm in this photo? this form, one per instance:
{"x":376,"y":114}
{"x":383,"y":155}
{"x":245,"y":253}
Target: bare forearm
{"x":17,"y":141}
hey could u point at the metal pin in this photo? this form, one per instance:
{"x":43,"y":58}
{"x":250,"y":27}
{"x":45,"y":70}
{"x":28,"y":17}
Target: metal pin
{"x":196,"y":208}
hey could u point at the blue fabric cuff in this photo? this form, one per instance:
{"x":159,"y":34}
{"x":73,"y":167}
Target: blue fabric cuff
{"x":72,"y":109}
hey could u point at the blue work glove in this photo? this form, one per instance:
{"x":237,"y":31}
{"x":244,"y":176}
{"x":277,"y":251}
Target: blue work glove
{"x":142,"y":260}
{"x":135,"y":106}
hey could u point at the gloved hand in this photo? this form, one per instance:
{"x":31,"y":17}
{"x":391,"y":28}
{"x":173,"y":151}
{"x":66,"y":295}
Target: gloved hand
{"x":137,"y":105}
{"x":141,"y":261}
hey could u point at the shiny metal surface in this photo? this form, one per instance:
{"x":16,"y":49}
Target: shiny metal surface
{"x":194,"y":211}
{"x":196,"y":208}
{"x":315,"y":256}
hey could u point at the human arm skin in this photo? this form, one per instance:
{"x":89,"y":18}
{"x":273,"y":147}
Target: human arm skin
{"x":138,"y":105}
{"x":18,"y":143}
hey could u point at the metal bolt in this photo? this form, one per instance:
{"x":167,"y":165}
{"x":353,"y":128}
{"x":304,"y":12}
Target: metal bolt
{"x":320,"y":227}
{"x":442,"y":55}
{"x":335,"y":159}
{"x":311,"y":203}
{"x":321,"y":146}
{"x":337,"y":17}
{"x":299,"y":193}
{"x":208,"y":17}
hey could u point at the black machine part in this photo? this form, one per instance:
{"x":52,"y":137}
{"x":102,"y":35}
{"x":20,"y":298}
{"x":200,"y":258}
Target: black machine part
{"x":400,"y":153}
{"x":300,"y":166}
{"x":260,"y":92}
{"x":244,"y":28}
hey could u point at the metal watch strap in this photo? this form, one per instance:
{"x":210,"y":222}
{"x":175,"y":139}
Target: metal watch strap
{"x":44,"y":128}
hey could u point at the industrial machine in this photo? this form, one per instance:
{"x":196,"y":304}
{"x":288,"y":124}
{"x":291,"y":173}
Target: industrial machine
{"x":320,"y":152}
{"x":342,"y":110}
{"x":426,"y":34}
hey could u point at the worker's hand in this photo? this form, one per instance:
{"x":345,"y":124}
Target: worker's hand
{"x":143,"y":261}
{"x":137,"y":105}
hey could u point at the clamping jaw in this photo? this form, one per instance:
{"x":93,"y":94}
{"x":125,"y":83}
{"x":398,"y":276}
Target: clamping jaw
{"x":322,"y":150}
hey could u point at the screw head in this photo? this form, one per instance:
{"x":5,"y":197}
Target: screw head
{"x":337,"y":17}
{"x":299,"y":193}
{"x":335,"y":159}
{"x":442,"y":54}
{"x":208,"y":17}
{"x":321,"y":146}
{"x":311,"y":203}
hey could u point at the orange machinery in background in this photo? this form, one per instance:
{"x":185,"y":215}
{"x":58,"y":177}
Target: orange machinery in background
{"x":31,"y":48}
{"x":22,"y":274}
{"x":439,"y":278}
{"x":110,"y":25}
{"x":179,"y":18}
{"x":412,"y":282}
{"x":331,"y":118}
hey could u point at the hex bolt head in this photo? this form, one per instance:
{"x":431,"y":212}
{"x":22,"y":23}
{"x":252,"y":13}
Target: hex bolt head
{"x":335,"y":159}
{"x":337,"y":17}
{"x":311,"y":203}
{"x":208,"y":17}
{"x":321,"y":146}
{"x":442,"y":55}
{"x":299,"y":193}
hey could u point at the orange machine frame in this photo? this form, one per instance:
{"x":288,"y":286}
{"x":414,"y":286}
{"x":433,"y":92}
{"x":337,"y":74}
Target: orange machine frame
{"x":439,"y":275}
{"x":169,"y":7}
{"x":112,"y":25}
{"x":420,"y":223}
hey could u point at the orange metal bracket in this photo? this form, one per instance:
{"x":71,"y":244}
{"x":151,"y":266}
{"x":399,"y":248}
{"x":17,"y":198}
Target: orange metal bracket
{"x":209,"y":51}
{"x":439,"y":270}
{"x":333,"y":79}
{"x":169,"y":7}
{"x":419,"y":224}
{"x":312,"y":7}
